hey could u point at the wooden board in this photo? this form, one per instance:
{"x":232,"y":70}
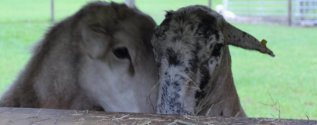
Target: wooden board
{"x":29,"y":116}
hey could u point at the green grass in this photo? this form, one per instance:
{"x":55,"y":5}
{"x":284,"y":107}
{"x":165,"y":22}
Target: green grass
{"x":284,"y":86}
{"x":287,"y":82}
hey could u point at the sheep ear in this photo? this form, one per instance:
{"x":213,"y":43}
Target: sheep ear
{"x":236,"y":37}
{"x":169,"y":14}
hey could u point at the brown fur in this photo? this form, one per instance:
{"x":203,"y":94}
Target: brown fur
{"x":73,"y":67}
{"x":222,"y":99}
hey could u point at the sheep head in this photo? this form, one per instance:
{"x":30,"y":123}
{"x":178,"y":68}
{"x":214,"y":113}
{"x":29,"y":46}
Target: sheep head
{"x":191,"y":49}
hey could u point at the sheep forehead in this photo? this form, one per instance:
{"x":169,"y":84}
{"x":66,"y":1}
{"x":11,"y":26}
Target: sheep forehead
{"x":110,"y":14}
{"x":189,"y":33}
{"x":100,"y":17}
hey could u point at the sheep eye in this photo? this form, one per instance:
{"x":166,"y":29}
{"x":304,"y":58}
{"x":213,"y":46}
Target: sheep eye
{"x":218,"y":47}
{"x":216,"y":50}
{"x":121,"y":53}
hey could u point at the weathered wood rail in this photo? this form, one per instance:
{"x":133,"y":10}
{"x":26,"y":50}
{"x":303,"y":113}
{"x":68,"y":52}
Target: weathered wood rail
{"x":28,"y":116}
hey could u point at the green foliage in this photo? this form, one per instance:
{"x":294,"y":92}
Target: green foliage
{"x":284,"y":86}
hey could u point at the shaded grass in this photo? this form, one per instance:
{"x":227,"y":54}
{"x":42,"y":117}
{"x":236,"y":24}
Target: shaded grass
{"x":283,"y":86}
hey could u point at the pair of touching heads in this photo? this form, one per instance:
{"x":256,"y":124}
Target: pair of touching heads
{"x":189,"y":47}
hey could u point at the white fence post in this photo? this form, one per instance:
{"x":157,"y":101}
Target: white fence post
{"x":52,"y":10}
{"x":210,"y":4}
{"x":130,"y":3}
{"x":289,"y":13}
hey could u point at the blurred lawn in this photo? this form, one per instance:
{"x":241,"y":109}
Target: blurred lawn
{"x":284,"y":86}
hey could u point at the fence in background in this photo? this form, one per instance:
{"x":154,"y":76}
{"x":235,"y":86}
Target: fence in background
{"x":291,"y":11}
{"x":305,"y":11}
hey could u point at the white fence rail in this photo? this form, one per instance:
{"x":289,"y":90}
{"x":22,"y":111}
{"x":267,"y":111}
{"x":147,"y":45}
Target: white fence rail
{"x":305,"y":11}
{"x":295,"y":11}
